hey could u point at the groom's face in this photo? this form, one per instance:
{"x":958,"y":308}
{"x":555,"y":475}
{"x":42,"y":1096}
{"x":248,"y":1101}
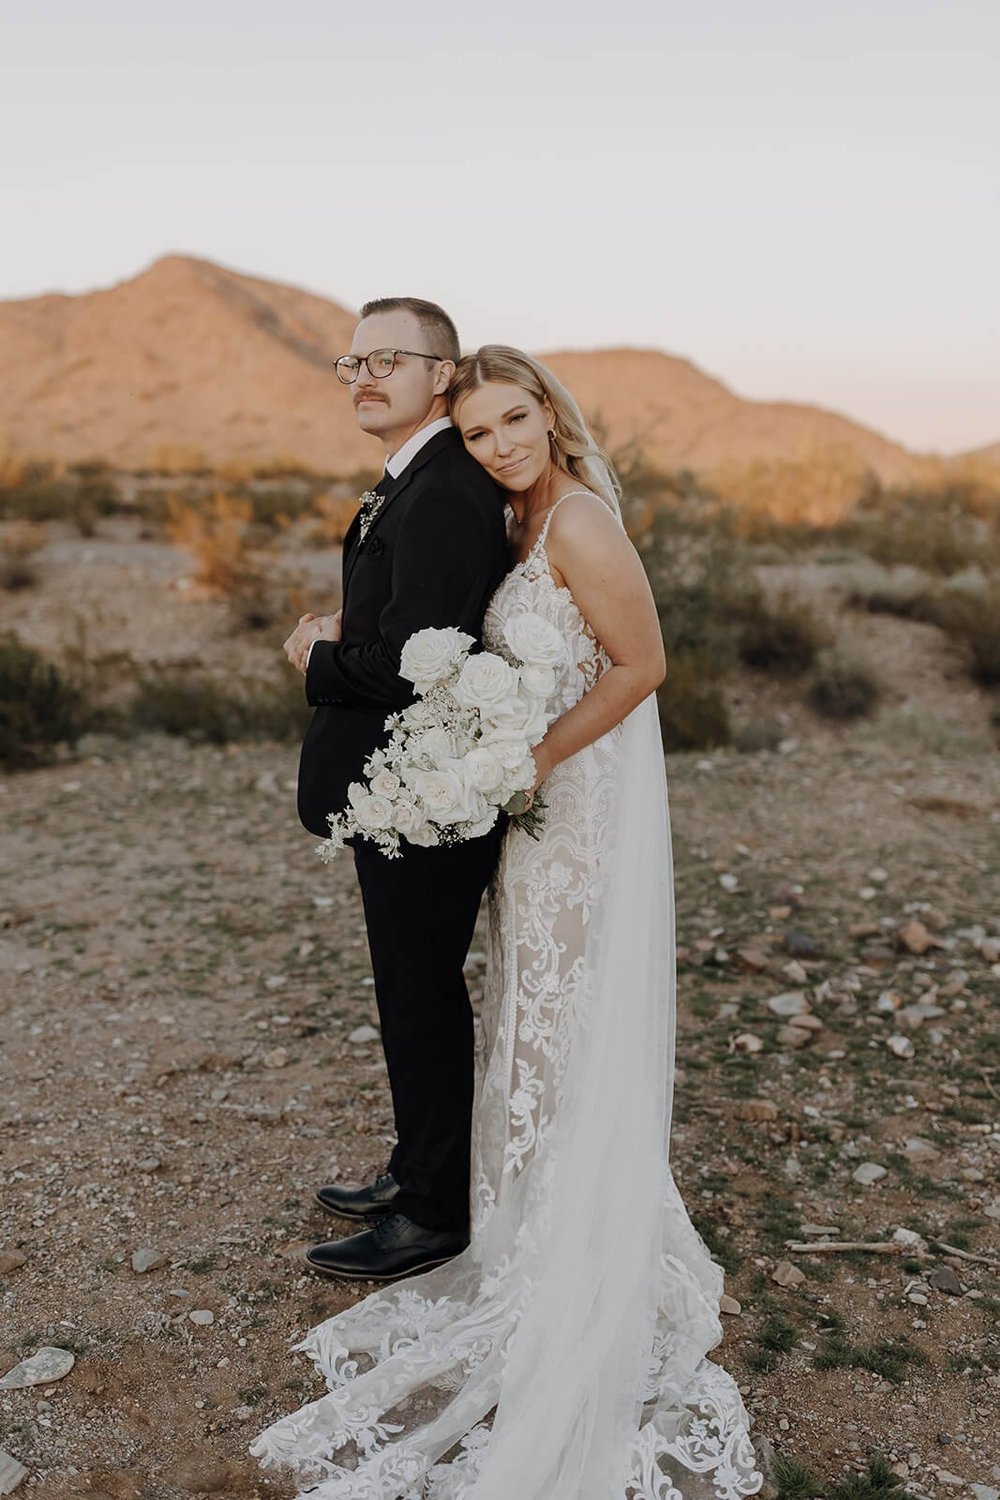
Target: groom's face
{"x":393,"y":406}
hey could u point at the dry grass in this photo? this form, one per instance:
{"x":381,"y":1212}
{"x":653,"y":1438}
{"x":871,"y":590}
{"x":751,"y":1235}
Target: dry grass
{"x":21,"y":543}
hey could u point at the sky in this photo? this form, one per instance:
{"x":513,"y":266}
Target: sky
{"x":801,"y":196}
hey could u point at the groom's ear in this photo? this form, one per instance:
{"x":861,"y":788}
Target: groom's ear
{"x":446,"y":370}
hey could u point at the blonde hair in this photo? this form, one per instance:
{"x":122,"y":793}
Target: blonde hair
{"x":573,"y":449}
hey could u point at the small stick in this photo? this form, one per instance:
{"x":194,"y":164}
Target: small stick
{"x":981,"y":1260}
{"x":984,"y":1074}
{"x":830,"y":1247}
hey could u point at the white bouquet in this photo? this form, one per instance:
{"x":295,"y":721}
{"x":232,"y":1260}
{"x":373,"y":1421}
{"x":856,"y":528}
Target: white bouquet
{"x":462,"y":751}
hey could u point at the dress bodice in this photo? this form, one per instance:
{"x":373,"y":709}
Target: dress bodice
{"x":529,"y":587}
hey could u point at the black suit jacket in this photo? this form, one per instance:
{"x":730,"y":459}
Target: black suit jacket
{"x":434,"y":555}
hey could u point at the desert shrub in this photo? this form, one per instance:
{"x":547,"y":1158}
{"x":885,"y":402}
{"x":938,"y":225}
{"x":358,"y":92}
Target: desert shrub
{"x":972,"y":620}
{"x":844,"y":688}
{"x":701,"y":583}
{"x":761,"y":734}
{"x":782,"y":635}
{"x":36,"y":492}
{"x":813,"y":488}
{"x":941,"y":530}
{"x":215,"y":534}
{"x":332,"y":514}
{"x":693,"y":711}
{"x":197,"y":706}
{"x":39,"y":707}
{"x":22,"y":541}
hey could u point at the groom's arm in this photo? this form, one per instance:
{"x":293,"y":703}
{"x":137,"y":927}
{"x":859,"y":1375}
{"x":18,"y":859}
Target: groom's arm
{"x":440,"y":573}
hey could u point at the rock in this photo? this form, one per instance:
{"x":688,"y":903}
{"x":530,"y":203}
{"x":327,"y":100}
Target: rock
{"x":276,"y":981}
{"x":951,"y":1480}
{"x":888,"y":1002}
{"x":147,"y":1260}
{"x":868,"y":1173}
{"x":791,"y":1003}
{"x":757,"y":1109}
{"x":914,"y":937}
{"x":11,"y":1474}
{"x":807,"y":1022}
{"x":751,"y":960}
{"x":730,"y":1306}
{"x":747,"y":1042}
{"x":785,"y":1274}
{"x":915,"y":1149}
{"x":201,"y":1316}
{"x":981,"y":1492}
{"x":41,"y":1368}
{"x":801,"y":945}
{"x":908,"y":1237}
{"x":363,"y":1034}
{"x":794,"y":1036}
{"x":878,"y":874}
{"x":148,"y":1164}
{"x":277,"y":1057}
{"x":794,"y":971}
{"x":729,"y":883}
{"x":11,"y":1260}
{"x":944,"y":1279}
{"x":900,"y":1046}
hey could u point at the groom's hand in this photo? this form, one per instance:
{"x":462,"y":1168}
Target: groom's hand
{"x":311,"y":628}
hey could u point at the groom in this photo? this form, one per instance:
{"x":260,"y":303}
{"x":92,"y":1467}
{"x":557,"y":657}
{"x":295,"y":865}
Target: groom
{"x":427,"y":548}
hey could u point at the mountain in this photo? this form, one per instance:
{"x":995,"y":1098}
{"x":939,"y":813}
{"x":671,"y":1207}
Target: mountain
{"x":190,"y":362}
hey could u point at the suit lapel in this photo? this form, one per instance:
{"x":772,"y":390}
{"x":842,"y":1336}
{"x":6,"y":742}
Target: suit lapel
{"x":352,"y":546}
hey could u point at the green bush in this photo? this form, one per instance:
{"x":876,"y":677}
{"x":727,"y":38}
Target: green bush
{"x":693,"y":712}
{"x":782,"y":636}
{"x":941,"y":530}
{"x":973,"y":621}
{"x":39,"y":707}
{"x":843,"y":688}
{"x":199,"y":707}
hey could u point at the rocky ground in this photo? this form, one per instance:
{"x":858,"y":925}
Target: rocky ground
{"x":189,"y":1048}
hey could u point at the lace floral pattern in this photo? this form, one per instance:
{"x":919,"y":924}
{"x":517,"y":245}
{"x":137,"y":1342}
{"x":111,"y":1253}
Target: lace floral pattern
{"x":416,"y":1401}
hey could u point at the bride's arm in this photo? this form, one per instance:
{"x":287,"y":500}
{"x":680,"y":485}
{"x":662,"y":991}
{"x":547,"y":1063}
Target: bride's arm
{"x":589,"y":551}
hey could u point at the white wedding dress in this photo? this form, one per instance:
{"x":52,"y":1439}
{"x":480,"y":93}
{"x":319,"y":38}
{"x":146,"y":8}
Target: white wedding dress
{"x":562,"y":1356}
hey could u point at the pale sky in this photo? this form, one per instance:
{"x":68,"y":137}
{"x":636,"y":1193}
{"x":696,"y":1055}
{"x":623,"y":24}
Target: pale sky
{"x":802,"y":196}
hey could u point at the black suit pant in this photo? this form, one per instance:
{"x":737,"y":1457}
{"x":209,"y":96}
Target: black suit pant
{"x":421,"y":911}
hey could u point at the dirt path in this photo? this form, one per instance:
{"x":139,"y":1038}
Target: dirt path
{"x":181,"y":981}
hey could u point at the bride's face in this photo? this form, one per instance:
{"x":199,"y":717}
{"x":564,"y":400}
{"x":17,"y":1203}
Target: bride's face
{"x":507,"y":429}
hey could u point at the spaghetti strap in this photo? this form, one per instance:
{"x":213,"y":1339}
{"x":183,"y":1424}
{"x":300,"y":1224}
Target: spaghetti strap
{"x":540,"y":542}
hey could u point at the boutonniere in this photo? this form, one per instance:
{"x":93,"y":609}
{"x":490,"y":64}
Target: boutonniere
{"x":371,"y":503}
{"x":375,"y":547}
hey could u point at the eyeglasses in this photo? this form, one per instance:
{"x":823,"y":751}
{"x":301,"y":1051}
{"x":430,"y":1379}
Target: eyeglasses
{"x":381,"y":362}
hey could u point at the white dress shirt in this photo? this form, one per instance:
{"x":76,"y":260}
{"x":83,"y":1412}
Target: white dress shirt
{"x":402,"y":457}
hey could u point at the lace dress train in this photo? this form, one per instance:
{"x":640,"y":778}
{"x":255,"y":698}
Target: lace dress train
{"x":563,"y":1355}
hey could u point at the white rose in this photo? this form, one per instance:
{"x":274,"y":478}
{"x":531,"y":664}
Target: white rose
{"x":510,"y":754}
{"x":429,"y":656}
{"x":447,"y":797}
{"x":539,"y":680}
{"x":523,"y":776}
{"x":482,"y":770}
{"x":534,"y":641}
{"x":417,"y":716}
{"x":426,"y":836}
{"x":485,"y":823}
{"x":406,"y":818}
{"x":521,"y":719}
{"x":485,"y":680}
{"x":386,"y":784}
{"x":435,"y":745}
{"x":372,"y":813}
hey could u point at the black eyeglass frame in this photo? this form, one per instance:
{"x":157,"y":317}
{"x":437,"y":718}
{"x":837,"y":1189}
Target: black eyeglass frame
{"x":365,"y":361}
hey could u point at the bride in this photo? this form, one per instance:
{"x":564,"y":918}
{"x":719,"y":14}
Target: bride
{"x":562,"y":1356}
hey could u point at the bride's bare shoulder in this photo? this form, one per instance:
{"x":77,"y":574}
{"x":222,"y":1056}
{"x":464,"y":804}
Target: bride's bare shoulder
{"x":582,"y":519}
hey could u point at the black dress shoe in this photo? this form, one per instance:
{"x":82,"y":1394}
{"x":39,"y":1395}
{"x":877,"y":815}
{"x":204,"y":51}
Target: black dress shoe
{"x":365,"y":1203}
{"x":393,"y":1247}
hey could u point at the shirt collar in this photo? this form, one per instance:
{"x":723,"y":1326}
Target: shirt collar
{"x":405,"y":455}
